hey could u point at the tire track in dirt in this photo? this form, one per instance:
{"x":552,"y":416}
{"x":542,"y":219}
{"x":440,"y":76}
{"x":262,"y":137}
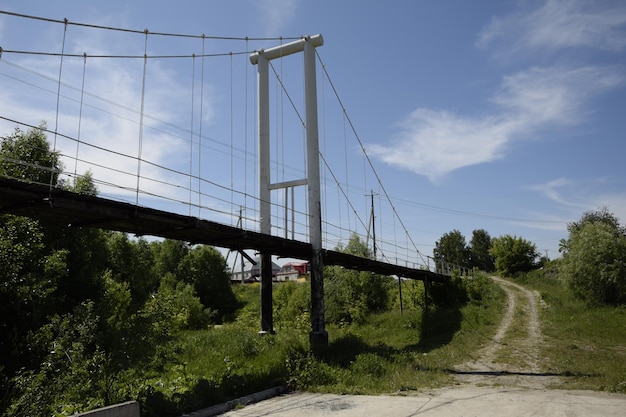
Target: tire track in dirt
{"x":512,"y":355}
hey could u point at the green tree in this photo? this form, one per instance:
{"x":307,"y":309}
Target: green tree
{"x":29,"y":275}
{"x":27,"y":156}
{"x":292,"y":305}
{"x":46,"y":267}
{"x":513,"y":255}
{"x":205,"y":268}
{"x":594,"y":264}
{"x":131,"y":261}
{"x":84,"y":184}
{"x":69,"y":372}
{"x":75,"y":332}
{"x":177,"y":306}
{"x":167,"y":255}
{"x":451,"y":249}
{"x":479,"y":251}
{"x":602,"y":215}
{"x":351,"y":295}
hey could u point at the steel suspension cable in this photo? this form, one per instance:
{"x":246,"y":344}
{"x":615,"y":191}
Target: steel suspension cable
{"x":143,"y":102}
{"x":118,"y":29}
{"x":80,"y":114}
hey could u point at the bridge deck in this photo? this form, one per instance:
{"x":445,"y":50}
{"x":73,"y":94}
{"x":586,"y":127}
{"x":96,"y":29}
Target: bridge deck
{"x":41,"y":202}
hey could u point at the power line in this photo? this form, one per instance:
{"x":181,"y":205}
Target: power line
{"x":471,"y":214}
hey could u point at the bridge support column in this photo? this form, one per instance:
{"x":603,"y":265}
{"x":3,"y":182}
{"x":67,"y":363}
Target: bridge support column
{"x":318,"y":337}
{"x":267,"y":317}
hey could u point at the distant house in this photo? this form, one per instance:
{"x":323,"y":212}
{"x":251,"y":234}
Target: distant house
{"x":251,"y":272}
{"x":293,"y":271}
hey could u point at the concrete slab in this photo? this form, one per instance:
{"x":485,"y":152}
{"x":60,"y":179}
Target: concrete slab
{"x":467,"y":402}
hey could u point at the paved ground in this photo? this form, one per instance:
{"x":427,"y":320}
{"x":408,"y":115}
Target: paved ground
{"x":504,"y":378}
{"x":466,"y":402}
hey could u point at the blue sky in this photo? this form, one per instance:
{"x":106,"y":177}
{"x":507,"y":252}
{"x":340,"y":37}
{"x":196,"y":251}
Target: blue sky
{"x":507,"y":116}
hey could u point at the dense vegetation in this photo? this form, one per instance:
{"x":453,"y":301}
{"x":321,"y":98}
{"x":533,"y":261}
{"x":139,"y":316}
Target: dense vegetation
{"x":85,"y":313}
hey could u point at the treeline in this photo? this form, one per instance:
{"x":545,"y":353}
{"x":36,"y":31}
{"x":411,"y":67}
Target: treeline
{"x":508,"y":255}
{"x":593,"y":262}
{"x":86,"y":313}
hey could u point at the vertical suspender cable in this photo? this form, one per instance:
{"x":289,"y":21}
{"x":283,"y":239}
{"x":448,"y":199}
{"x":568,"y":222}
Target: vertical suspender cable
{"x":282,"y":118}
{"x":255,"y":167}
{"x":80,"y":115}
{"x":143,"y":102}
{"x":200,"y":130}
{"x":282,"y":141}
{"x":193,"y":79}
{"x":56,"y":123}
{"x":245,"y":145}
{"x":380,"y":216}
{"x":232,"y":172}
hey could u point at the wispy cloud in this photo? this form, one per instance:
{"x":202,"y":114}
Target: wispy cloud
{"x":275,"y":14}
{"x":435,"y":142}
{"x":572,"y":197}
{"x":432,"y":142}
{"x":540,"y":96}
{"x":552,"y":191}
{"x":559,"y":24}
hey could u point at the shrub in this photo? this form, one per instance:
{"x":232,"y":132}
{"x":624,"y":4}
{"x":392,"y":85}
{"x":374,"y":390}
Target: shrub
{"x":513,"y":255}
{"x":595,"y":263}
{"x":368,"y":364}
{"x":292,"y":304}
{"x":306,"y":371}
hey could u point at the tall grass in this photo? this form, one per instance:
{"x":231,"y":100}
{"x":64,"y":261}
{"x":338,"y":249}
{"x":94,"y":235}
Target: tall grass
{"x":586,"y":345}
{"x":388,"y":352}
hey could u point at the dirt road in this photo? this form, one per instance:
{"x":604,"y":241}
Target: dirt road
{"x":512,"y":356}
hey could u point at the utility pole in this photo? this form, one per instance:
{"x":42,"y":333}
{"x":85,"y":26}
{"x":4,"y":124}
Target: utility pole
{"x":372,"y":224}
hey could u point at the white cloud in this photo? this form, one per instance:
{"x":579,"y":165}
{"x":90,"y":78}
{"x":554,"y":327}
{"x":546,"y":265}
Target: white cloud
{"x":433,"y":143}
{"x":573,"y":198}
{"x":541,"y":96}
{"x":552,"y":190}
{"x":275,"y":14}
{"x":560,"y":24}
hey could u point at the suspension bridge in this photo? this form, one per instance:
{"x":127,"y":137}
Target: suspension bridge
{"x":179,"y":160}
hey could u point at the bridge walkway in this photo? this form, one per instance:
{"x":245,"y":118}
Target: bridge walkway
{"x":42,"y":202}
